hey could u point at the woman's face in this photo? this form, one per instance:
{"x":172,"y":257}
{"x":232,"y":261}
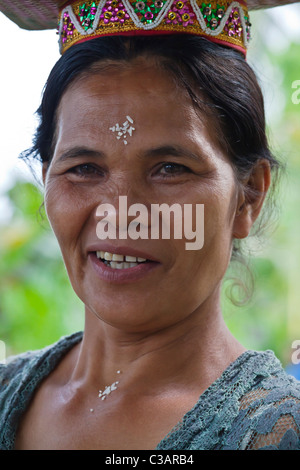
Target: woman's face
{"x":170,"y":157}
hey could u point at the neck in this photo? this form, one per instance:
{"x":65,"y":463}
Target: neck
{"x":200,"y":344}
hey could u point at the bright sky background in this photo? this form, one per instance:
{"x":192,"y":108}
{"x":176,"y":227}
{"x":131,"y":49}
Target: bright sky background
{"x":26,"y":60}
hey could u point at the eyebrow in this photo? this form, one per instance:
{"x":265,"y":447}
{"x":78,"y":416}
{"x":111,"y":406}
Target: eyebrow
{"x":174,"y":151}
{"x":170,"y":150}
{"x":77,"y":152}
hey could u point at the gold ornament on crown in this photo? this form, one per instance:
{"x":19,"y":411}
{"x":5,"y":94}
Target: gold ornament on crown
{"x":224,"y":22}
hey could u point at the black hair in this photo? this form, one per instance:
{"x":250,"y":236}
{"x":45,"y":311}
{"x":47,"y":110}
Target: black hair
{"x":217,"y":79}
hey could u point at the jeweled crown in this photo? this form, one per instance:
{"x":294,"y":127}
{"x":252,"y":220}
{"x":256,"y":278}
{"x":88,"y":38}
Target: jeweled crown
{"x":222,"y":21}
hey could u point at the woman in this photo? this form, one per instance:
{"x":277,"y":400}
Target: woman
{"x":149,"y":119}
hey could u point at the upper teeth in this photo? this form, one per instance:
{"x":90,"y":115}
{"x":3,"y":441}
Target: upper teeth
{"x":121,"y":258}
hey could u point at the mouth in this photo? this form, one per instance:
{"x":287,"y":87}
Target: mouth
{"x":127,"y":265}
{"x":118,"y":261}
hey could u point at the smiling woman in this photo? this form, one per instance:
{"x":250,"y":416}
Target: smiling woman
{"x":173,"y":119}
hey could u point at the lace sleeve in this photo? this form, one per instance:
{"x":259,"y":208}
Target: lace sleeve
{"x":276,"y":422}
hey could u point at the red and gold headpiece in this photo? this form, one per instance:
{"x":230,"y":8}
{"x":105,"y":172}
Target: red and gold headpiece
{"x":222,"y":21}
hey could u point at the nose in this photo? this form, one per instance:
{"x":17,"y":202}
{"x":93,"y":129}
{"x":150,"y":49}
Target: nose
{"x":125,"y":212}
{"x":123,"y":221}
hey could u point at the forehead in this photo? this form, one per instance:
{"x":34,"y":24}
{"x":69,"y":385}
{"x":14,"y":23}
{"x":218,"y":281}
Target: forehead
{"x":99,"y":100}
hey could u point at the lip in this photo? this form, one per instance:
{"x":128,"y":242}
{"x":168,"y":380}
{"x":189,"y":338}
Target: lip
{"x":121,"y":276}
{"x":121,"y":250}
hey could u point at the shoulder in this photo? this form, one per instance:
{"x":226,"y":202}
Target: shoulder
{"x":14,"y":371}
{"x":17,"y":368}
{"x":19,"y":378}
{"x":269,"y":412}
{"x":15,"y":364}
{"x":254,"y":404}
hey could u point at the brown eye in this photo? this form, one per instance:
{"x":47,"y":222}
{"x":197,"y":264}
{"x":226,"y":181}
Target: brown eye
{"x":173,"y":169}
{"x":85,"y":170}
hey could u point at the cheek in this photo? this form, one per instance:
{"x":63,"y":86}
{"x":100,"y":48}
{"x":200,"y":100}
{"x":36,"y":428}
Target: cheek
{"x":67,"y":212}
{"x":209,"y":263}
{"x":218,"y":229}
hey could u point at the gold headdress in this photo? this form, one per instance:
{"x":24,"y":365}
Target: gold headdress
{"x":221,"y":21}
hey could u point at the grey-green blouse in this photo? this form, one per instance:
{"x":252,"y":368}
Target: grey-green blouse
{"x":254,"y":404}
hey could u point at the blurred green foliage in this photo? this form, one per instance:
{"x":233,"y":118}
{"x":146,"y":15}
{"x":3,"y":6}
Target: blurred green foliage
{"x":271,"y":320}
{"x":38,"y":305}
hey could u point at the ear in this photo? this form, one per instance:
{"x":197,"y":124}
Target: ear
{"x":252,"y":198}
